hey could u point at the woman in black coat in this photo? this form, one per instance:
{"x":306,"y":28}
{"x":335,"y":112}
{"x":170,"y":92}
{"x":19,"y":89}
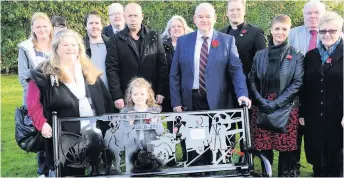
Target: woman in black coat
{"x":275,"y":80}
{"x":322,"y":100}
{"x":175,"y":28}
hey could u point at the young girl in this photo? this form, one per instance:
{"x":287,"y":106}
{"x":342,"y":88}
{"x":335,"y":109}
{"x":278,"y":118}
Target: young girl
{"x":139,"y":97}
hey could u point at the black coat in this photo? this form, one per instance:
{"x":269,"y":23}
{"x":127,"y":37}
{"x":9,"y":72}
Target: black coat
{"x":248,"y":41}
{"x":291,"y":74}
{"x":322,"y":104}
{"x":169,"y":49}
{"x":87,"y":44}
{"x":108,"y":31}
{"x":124,"y":62}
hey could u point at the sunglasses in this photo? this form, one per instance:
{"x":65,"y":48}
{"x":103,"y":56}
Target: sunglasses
{"x":323,"y":32}
{"x":60,"y":26}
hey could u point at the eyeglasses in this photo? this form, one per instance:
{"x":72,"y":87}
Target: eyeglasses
{"x":331,"y":31}
{"x":115,"y":14}
{"x":60,"y":26}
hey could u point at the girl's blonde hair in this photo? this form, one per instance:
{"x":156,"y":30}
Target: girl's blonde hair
{"x":40,"y":16}
{"x":53,"y":67}
{"x":142,"y":83}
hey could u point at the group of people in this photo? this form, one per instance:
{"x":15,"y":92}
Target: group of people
{"x":126,"y":67}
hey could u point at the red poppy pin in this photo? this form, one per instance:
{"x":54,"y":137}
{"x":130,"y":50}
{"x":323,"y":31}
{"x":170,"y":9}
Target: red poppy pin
{"x":329,"y":60}
{"x":215,"y":43}
{"x":244,"y":31}
{"x":289,"y":57}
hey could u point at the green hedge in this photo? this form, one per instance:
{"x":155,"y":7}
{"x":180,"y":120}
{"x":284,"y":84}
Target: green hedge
{"x":15,"y":17}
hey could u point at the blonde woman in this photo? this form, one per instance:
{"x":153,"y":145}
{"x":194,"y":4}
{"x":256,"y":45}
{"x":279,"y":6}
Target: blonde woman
{"x":32,"y":52}
{"x":68,"y":84}
{"x":175,"y":28}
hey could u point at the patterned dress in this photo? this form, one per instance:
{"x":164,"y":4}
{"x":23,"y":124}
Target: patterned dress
{"x":263,"y":139}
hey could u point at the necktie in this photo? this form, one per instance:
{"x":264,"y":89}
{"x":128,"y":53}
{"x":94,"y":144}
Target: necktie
{"x":313,"y":41}
{"x":203,"y":64}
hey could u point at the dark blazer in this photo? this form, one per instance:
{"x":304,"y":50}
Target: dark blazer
{"x":87,"y":44}
{"x":124,"y":62}
{"x":322,"y":104}
{"x":249,"y":40}
{"x":291,"y":75}
{"x":223,"y":67}
{"x":108,"y":31}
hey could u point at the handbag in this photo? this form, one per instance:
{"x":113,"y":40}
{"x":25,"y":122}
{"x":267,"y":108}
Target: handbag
{"x":27,"y":136}
{"x":276,"y":121}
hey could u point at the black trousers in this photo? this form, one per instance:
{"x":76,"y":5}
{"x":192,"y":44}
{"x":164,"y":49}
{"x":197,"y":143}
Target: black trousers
{"x":200,"y":102}
{"x":286,"y":161}
{"x":297,"y":153}
{"x":334,"y":166}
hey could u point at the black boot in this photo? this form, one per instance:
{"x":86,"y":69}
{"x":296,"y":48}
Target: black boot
{"x":286,"y":164}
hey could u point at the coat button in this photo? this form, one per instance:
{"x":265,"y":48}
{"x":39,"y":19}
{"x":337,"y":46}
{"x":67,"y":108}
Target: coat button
{"x":321,"y":79}
{"x":321,"y":103}
{"x":321,"y":114}
{"x":321,"y":91}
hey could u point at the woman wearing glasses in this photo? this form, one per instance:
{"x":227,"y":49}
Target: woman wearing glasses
{"x":321,"y":97}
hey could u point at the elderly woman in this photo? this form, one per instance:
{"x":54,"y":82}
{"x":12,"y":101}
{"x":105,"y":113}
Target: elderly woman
{"x":175,"y":28}
{"x":70,"y":85}
{"x":275,"y":80}
{"x":321,"y":110}
{"x":33,"y":51}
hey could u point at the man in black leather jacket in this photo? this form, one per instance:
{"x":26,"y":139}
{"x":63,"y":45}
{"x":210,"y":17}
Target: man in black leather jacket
{"x":135,"y":52}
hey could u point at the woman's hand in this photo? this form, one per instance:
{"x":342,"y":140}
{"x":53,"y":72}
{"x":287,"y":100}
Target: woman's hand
{"x":46,"y":131}
{"x":302,"y":121}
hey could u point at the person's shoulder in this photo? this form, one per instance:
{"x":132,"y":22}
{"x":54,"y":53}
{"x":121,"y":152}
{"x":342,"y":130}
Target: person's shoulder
{"x":254,"y":27}
{"x":154,"y":109}
{"x":127,"y":109}
{"x":186,"y":37}
{"x":297,"y":29}
{"x":26,"y":45}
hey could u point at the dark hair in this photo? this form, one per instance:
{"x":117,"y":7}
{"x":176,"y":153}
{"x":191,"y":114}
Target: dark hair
{"x":58,"y":20}
{"x":92,"y":13}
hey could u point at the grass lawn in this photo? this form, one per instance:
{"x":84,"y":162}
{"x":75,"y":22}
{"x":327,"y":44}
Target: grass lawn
{"x":17,"y":163}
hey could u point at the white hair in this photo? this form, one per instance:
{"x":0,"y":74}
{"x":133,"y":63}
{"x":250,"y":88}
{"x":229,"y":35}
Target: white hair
{"x":332,"y":16}
{"x":166,"y":33}
{"x":313,"y":3}
{"x":205,"y":5}
{"x":115,"y":6}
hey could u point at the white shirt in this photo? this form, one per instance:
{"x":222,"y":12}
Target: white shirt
{"x":198,"y":46}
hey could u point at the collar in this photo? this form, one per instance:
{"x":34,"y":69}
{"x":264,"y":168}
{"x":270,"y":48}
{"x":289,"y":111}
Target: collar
{"x":200,"y":35}
{"x":309,"y":30}
{"x":141,"y":33}
{"x":238,"y":27}
{"x":87,"y":40}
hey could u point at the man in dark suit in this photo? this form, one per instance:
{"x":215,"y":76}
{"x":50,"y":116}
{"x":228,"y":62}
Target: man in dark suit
{"x":116,"y":18}
{"x":135,"y":51}
{"x":204,"y":64}
{"x":248,"y":38}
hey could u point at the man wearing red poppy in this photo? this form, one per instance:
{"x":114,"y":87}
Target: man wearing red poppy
{"x":204,"y":65}
{"x":248,"y":38}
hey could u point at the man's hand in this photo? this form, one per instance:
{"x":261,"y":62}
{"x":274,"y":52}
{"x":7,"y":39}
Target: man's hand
{"x":46,"y":131}
{"x":178,"y":109}
{"x":343,"y":122}
{"x":119,"y":104}
{"x":159,"y":99}
{"x":302,"y":121}
{"x":246,"y":100}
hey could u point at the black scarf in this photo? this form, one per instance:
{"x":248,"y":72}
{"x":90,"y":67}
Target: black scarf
{"x":271,"y":81}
